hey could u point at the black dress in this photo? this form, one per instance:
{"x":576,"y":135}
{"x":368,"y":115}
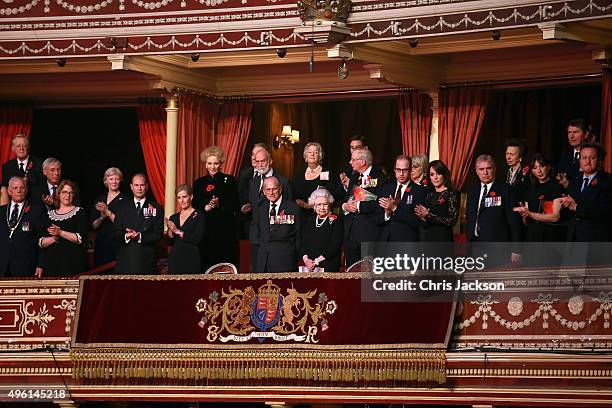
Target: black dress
{"x":185,"y":255}
{"x":220,"y":242}
{"x":537,"y":197}
{"x":302,"y":188}
{"x":323,"y":240}
{"x":65,"y":258}
{"x":443,"y":212}
{"x":105,"y":245}
{"x":519,"y":182}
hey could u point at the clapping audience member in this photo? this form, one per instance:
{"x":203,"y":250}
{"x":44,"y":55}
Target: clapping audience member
{"x":52,"y":170}
{"x":185,"y":231}
{"x":103,"y":214}
{"x":323,"y":233}
{"x":216,"y":197}
{"x":66,"y":234}
{"x":247,"y":174}
{"x":357,"y":142}
{"x":578,"y":132}
{"x":23,"y":165}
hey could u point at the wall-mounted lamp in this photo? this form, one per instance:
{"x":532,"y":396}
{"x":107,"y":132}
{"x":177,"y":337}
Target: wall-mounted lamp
{"x":287,"y":137}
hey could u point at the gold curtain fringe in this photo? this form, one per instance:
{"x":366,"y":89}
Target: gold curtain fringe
{"x":305,"y":365}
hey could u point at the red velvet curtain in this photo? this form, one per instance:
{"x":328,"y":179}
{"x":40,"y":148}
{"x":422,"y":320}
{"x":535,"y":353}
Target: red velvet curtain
{"x":415,"y":119}
{"x":462,"y":112}
{"x":13,"y":120}
{"x":204,"y":122}
{"x":152,"y":125}
{"x":606,"y":116}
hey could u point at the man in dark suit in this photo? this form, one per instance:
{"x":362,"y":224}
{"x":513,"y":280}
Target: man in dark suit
{"x":398,"y":198}
{"x":52,"y":170}
{"x":590,"y":198}
{"x":277,"y":224}
{"x":244,"y":181}
{"x":362,"y":214}
{"x":139,"y":225}
{"x":20,"y":228}
{"x":23,"y":165}
{"x":263,"y":167}
{"x":489,"y":208}
{"x":568,"y":169}
{"x":356,"y":142}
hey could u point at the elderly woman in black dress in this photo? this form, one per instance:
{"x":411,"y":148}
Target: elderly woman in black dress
{"x":216,"y":196}
{"x":322,"y":235}
{"x":441,"y":207}
{"x":102,"y":217}
{"x":66,"y":227}
{"x":419,"y":169}
{"x":185,"y":231}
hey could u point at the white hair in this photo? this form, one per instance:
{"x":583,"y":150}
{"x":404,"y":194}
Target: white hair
{"x":318,"y":193}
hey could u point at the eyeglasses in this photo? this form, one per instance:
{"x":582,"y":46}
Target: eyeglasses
{"x":67,"y":192}
{"x":397,"y":169}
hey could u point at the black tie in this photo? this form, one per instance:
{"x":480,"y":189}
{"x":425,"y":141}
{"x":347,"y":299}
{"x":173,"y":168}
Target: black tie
{"x":138,"y":208}
{"x":585,"y":184}
{"x":53,"y":190}
{"x":359,"y":180}
{"x":21,"y":169}
{"x":398,"y":194}
{"x":273,"y":210}
{"x":14,"y":215}
{"x":259,"y":179}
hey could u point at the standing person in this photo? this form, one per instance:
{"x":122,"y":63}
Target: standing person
{"x":361,"y":215}
{"x":138,"y":226}
{"x":490,"y":216}
{"x":323,"y":233}
{"x":278,"y":227}
{"x":418,"y":173}
{"x":66,"y":233}
{"x":517,"y":176}
{"x":590,"y":199}
{"x":314,"y":176}
{"x":102,"y":216}
{"x":20,"y":228}
{"x":441,"y":208}
{"x":247,"y":174}
{"x":263,"y":166}
{"x":398,"y":199}
{"x":538,"y":200}
{"x":52,"y":170}
{"x":216,"y":196}
{"x":23,"y":165}
{"x":578,"y":132}
{"x":185,"y":231}
{"x":357,"y":142}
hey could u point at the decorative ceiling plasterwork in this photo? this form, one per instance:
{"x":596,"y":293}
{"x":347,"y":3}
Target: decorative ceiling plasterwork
{"x":170,"y":27}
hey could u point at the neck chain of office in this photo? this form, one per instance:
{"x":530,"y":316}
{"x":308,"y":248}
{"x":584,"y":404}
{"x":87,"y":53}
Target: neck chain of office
{"x":19,"y":217}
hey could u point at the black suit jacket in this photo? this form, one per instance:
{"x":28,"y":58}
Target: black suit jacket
{"x":568,"y":165}
{"x":256,"y":199}
{"x":592,"y":220}
{"x":278,"y":243}
{"x":244,"y":181}
{"x":403,"y":225}
{"x":498,"y":223}
{"x":20,"y":254}
{"x":34,"y":173}
{"x":133,"y":257}
{"x":364,"y":225}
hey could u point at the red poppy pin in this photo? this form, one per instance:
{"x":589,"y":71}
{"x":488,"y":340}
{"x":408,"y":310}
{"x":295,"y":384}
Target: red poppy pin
{"x":29,"y":165}
{"x":525,"y":170}
{"x":333,"y":217}
{"x":407,"y":189}
{"x":282,"y":213}
{"x":27,"y":209}
{"x":492,"y":194}
{"x":441,"y":200}
{"x":424,"y":182}
{"x":210,"y":187}
{"x":594,"y":182}
{"x":541,"y":197}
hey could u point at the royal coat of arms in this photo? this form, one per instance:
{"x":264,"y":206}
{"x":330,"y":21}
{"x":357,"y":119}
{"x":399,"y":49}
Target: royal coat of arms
{"x":240,"y":315}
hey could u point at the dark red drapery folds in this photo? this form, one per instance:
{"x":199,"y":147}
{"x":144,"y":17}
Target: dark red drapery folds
{"x":205,"y":122}
{"x":606,"y":117}
{"x":13,"y":120}
{"x":415,"y":119}
{"x":462,"y":113}
{"x":152,"y":125}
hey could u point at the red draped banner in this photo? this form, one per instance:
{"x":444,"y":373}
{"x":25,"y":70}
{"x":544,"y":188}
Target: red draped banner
{"x":415,"y":119}
{"x":606,"y":116}
{"x":13,"y":120}
{"x":152,"y":125}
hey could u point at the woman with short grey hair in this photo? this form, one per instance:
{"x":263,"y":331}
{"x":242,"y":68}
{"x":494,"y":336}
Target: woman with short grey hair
{"x":322,"y":235}
{"x":419,"y":169}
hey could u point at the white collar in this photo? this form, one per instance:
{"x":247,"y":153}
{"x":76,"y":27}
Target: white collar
{"x":50,"y":186}
{"x":489,"y":185}
{"x":278,"y":203}
{"x":19,"y":204}
{"x":141,"y":201}
{"x":24,"y":161}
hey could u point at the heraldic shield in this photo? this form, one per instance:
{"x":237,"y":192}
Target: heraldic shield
{"x":266,"y":307}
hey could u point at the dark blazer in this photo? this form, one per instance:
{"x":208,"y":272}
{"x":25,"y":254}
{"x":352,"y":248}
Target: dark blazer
{"x":591,"y":221}
{"x":33,"y":171}
{"x":20,"y":254}
{"x":364,"y":225}
{"x":256,"y":199}
{"x":498,"y":223}
{"x":278,"y":243}
{"x":138,"y":258}
{"x":568,"y":165}
{"x":522,"y":182}
{"x":244,"y":180}
{"x":403,"y":226}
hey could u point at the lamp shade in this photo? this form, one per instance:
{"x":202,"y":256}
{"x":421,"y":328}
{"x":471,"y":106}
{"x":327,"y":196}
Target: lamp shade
{"x":286,"y":130}
{"x":295,"y":136}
